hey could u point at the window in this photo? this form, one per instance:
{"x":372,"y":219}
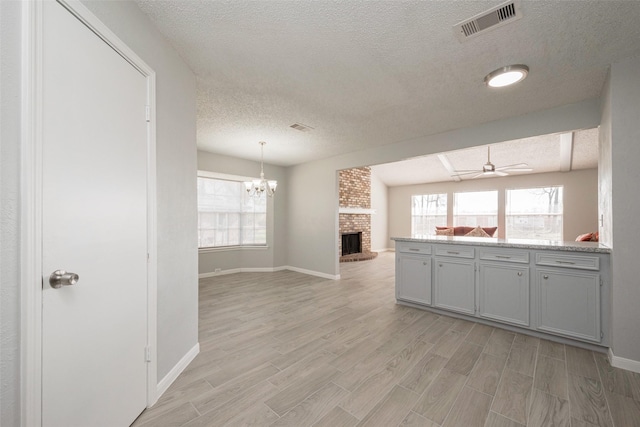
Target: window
{"x":534,"y":213}
{"x":476,"y":208}
{"x":227,"y":216}
{"x":427,"y":212}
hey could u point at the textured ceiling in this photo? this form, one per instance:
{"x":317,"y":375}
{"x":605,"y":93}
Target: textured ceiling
{"x":369,"y":73}
{"x":540,"y":153}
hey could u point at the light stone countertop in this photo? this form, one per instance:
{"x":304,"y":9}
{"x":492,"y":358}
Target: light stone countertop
{"x":555,"y":245}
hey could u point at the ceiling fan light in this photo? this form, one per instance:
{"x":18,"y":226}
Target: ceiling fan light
{"x":506,"y":76}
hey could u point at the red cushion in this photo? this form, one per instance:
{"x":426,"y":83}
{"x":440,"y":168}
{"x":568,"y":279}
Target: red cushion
{"x":461,"y":231}
{"x":584,"y":237}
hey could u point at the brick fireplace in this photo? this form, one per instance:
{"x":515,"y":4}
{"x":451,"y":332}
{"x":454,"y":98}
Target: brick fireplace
{"x":355,"y":195}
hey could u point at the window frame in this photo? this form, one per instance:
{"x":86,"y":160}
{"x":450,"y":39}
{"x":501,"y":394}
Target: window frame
{"x":268,"y":209}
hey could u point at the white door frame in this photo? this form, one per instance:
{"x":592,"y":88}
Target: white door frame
{"x":31,"y":203}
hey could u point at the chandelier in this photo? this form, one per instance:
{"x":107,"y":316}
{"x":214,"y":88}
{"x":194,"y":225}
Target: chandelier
{"x":257,"y":187}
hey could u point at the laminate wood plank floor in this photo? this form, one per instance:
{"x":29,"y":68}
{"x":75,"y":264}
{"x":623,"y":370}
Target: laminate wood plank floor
{"x":288,"y":349}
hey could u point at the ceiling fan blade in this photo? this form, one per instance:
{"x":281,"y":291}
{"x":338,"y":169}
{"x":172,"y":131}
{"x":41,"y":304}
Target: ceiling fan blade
{"x":516,"y":165}
{"x":459,"y":173}
{"x":490,"y":174}
{"x":518,"y":170}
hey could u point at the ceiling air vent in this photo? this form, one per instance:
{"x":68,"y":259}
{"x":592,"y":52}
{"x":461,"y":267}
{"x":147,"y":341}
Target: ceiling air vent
{"x":301,"y":127}
{"x":493,"y":18}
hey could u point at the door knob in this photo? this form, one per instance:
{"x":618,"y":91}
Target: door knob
{"x":60,"y":278}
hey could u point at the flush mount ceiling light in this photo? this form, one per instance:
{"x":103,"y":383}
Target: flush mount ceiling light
{"x":257,"y":187}
{"x":506,"y":76}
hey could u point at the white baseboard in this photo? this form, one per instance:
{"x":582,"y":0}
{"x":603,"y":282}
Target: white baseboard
{"x":261,"y":269}
{"x":622,"y":363}
{"x":270,"y":270}
{"x":168,"y":379}
{"x":219,"y":273}
{"x":384,"y":250}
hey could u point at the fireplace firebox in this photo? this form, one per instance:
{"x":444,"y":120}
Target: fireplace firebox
{"x":351,"y":243}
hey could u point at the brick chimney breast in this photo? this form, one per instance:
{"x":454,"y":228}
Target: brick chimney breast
{"x":355,"y":192}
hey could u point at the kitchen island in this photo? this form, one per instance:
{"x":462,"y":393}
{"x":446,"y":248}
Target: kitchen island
{"x":558,"y":290}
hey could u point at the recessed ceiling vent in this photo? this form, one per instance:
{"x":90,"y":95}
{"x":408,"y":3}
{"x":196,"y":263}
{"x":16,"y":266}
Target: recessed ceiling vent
{"x":301,"y":127}
{"x":493,"y":18}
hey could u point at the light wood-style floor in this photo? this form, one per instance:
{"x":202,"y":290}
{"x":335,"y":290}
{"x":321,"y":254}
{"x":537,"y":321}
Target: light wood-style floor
{"x":290,"y":349}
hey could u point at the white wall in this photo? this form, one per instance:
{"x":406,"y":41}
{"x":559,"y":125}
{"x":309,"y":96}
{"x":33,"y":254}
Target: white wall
{"x":379,"y":220}
{"x":275,"y":254}
{"x":9,"y":213}
{"x":580,"y":199}
{"x":312,"y":240}
{"x":176,"y":178}
{"x":621,"y":113}
{"x":313,"y":187}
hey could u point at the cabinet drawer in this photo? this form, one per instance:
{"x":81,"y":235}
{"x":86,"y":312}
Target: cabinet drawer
{"x":413,"y":248}
{"x":455,"y":251}
{"x":583,"y":262}
{"x":521,"y":257}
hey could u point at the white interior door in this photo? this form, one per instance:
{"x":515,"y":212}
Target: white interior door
{"x":94,"y":201}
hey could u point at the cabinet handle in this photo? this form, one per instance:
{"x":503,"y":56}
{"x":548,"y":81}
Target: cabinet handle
{"x":519,"y":273}
{"x":503,"y":257}
{"x":414,"y":250}
{"x":440,"y":265}
{"x":424,"y":262}
{"x":545,"y":277}
{"x":453,"y":252}
{"x":565,"y":262}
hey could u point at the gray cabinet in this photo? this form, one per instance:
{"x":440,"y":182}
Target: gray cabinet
{"x":413,"y":272}
{"x":455,"y":284}
{"x":569,"y":303}
{"x":556,"y":292}
{"x":413,"y":281}
{"x":504,"y":292}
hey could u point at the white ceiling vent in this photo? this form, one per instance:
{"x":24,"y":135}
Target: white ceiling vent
{"x":493,"y":18}
{"x":301,"y":127}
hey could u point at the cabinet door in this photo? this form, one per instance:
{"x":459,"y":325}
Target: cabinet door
{"x":413,"y":282}
{"x":569,"y":303}
{"x":504,"y":293}
{"x":455,"y":285}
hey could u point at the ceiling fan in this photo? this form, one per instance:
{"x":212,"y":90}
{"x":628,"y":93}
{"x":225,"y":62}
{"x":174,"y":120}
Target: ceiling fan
{"x":489,"y":169}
